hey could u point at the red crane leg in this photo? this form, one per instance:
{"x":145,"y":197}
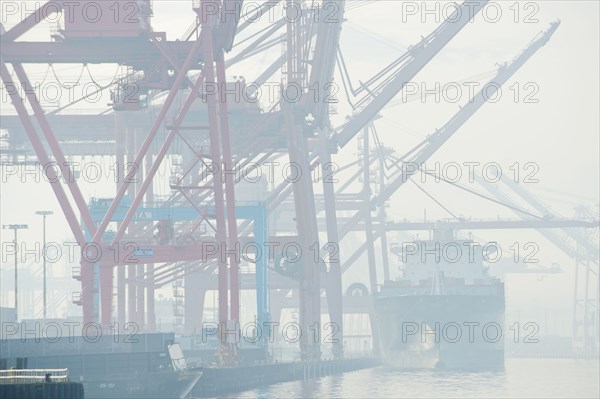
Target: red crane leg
{"x":141,"y":297}
{"x":120,"y":136}
{"x":131,"y":269}
{"x":151,"y":318}
{"x":234,"y":265}
{"x":121,"y":296}
{"x":87,"y":291}
{"x":106,"y":294}
{"x":215,"y":149}
{"x":131,"y":293}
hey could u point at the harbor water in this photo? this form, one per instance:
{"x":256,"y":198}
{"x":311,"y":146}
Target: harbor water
{"x":522,"y":378}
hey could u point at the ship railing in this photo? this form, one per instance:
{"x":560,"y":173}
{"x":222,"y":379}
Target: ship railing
{"x":32,"y":376}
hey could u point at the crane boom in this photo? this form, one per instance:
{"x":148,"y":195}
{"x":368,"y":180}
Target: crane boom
{"x":533,"y":201}
{"x":328,"y":38}
{"x":434,"y":142}
{"x":419,"y":56}
{"x":551,"y":235}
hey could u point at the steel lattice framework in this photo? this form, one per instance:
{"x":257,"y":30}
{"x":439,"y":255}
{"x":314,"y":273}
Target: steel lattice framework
{"x":204,"y":195}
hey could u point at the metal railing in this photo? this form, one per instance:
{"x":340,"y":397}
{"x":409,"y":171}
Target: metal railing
{"x":33,"y":376}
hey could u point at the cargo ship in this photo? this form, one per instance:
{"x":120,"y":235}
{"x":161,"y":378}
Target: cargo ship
{"x":111,"y":366}
{"x":444,"y":311}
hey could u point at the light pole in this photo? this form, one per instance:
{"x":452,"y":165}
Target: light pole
{"x":44,"y":214}
{"x":15,"y":227}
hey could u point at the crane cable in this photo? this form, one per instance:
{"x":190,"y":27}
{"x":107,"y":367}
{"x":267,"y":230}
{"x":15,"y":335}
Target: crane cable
{"x":478,"y":194}
{"x":63,"y":85}
{"x":90,"y":75}
{"x":433,"y":198}
{"x":45,"y":76}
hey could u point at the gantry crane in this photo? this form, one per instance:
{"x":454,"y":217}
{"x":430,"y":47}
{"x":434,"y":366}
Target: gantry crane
{"x":165,"y":65}
{"x":162,"y":65}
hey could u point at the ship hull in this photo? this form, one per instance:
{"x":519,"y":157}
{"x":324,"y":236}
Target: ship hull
{"x":443,"y":331}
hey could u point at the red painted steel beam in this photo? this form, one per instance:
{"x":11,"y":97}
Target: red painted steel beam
{"x":215,"y":150}
{"x":33,"y":19}
{"x":86,"y":269}
{"x":181,"y":76}
{"x":234,"y":266}
{"x":137,"y":53}
{"x":149,"y":277}
{"x":130,"y":142}
{"x":159,"y":158}
{"x":160,"y":45}
{"x":120,"y":134}
{"x":242,"y":163}
{"x":55,"y":147}
{"x":303,"y":199}
{"x":19,"y":105}
{"x":131,"y":293}
{"x":141,"y":298}
{"x":106,"y":294}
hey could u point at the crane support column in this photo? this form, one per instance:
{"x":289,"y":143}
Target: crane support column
{"x":369,"y":235}
{"x":334,"y":279}
{"x":310,"y":310}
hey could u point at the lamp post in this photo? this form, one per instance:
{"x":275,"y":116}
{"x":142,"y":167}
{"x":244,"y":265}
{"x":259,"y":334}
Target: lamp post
{"x":44,"y":214}
{"x":15,"y":228}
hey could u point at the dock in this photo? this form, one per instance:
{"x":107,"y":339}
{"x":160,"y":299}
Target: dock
{"x":39,"y":383}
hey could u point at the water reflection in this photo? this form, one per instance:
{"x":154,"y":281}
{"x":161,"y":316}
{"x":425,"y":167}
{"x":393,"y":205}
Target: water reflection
{"x":523,"y":378}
